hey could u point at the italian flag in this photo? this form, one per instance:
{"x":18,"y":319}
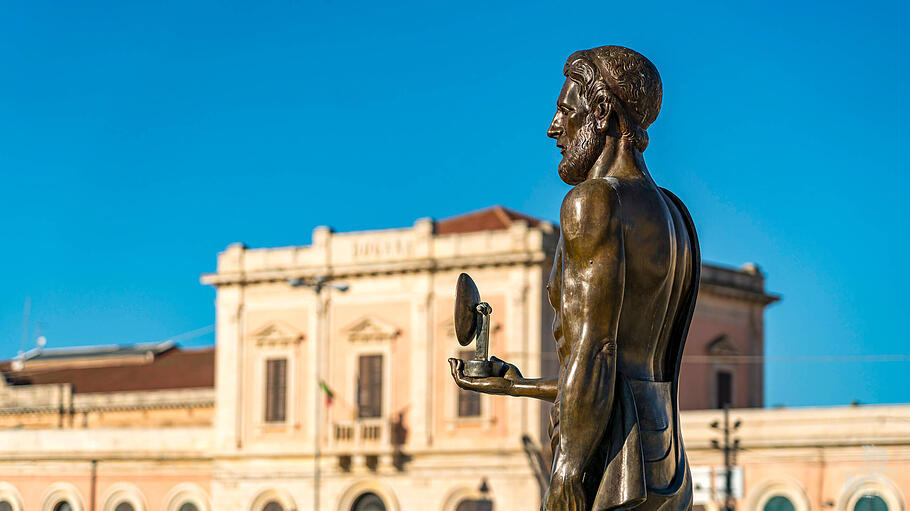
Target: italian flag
{"x":329,"y":395}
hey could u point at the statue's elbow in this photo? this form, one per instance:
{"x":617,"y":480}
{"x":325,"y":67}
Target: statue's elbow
{"x":593,"y":387}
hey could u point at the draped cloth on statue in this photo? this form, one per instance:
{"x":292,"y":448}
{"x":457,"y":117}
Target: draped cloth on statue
{"x":625,"y":471}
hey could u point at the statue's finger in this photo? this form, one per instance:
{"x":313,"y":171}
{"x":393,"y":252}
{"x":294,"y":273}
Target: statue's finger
{"x":457,"y":366}
{"x":453,"y":365}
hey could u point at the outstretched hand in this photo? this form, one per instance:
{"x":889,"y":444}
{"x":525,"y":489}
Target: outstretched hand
{"x":501,"y":384}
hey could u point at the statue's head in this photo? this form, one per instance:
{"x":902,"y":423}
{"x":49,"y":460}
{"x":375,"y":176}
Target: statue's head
{"x":609,"y":91}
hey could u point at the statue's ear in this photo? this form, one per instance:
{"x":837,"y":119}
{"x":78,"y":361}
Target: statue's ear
{"x":603,"y":110}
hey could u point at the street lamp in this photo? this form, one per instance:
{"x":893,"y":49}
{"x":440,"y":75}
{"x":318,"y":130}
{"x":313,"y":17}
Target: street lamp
{"x":729,"y":449}
{"x":317,"y":285}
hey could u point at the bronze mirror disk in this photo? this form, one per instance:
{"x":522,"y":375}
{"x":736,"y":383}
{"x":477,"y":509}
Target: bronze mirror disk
{"x":466,"y":316}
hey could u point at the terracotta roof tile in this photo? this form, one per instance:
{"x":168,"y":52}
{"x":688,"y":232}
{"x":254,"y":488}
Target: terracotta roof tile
{"x":495,"y":218}
{"x":173,"y":369}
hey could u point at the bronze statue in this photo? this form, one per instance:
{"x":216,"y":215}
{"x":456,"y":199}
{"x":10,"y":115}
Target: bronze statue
{"x":623,"y":287}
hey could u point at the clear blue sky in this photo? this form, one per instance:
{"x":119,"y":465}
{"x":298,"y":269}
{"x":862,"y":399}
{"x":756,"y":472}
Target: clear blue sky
{"x":136,"y":141}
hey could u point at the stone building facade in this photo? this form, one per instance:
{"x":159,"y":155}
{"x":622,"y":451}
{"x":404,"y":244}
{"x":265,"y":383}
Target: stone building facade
{"x":347,"y":385}
{"x":107,"y":428}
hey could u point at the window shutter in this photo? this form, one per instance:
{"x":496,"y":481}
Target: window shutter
{"x":369,"y":386}
{"x":275,"y":389}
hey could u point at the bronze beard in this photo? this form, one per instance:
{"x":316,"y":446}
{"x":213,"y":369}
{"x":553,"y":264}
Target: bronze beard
{"x":581,"y":153}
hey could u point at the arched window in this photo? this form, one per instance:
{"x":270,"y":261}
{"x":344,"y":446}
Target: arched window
{"x":368,"y":502}
{"x":124,"y":506}
{"x":273,"y":505}
{"x":475,"y":505}
{"x":779,"y":503}
{"x":870,"y":503}
{"x":5,"y":506}
{"x":63,"y":506}
{"x":190,"y":497}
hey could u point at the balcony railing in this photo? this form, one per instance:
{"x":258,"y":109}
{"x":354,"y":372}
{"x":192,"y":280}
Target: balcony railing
{"x":361,"y":433}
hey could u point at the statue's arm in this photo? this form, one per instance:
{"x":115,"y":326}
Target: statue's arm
{"x":511,"y":383}
{"x":591,"y":301}
{"x":539,"y":388}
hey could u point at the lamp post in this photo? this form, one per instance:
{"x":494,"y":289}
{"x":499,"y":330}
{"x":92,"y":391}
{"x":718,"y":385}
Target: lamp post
{"x":317,"y":285}
{"x":729,"y":449}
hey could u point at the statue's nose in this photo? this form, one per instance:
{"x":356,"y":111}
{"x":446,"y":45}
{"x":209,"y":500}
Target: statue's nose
{"x":554,"y":131}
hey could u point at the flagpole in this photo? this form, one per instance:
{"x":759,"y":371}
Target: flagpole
{"x":318,"y":285}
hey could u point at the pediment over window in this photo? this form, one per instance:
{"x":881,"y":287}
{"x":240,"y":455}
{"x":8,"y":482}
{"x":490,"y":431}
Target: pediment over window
{"x":721,"y":346}
{"x":371,"y":328}
{"x":276,"y":333}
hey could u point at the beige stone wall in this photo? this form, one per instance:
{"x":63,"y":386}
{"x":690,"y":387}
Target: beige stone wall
{"x":140,"y":418}
{"x":56,"y":407}
{"x":433,"y":482}
{"x":399,"y":306}
{"x":155,"y":469}
{"x":819,"y":458}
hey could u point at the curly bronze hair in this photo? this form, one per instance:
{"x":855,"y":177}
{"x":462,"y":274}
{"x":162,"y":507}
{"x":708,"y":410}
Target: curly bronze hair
{"x":626,"y":80}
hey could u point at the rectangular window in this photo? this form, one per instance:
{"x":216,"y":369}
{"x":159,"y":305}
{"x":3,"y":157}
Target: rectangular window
{"x":369,"y":386}
{"x":468,"y":401}
{"x":724,"y":385}
{"x":276,"y":379}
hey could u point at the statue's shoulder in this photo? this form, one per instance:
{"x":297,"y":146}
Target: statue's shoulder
{"x":589,"y":209}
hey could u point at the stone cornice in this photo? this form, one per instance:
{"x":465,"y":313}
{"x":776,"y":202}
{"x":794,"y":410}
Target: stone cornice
{"x":123,"y":401}
{"x":798,"y":428}
{"x":737,"y":294}
{"x":115,"y":443}
{"x":361,"y":270}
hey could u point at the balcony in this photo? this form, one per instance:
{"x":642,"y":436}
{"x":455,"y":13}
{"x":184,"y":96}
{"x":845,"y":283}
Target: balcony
{"x":361,"y":434}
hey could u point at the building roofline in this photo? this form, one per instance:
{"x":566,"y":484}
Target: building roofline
{"x":97,"y":350}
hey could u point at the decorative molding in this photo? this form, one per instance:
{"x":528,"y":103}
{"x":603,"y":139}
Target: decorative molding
{"x":371,"y":328}
{"x":185,"y":493}
{"x":11,"y":495}
{"x":460,"y":494}
{"x":276,"y":333}
{"x":789,"y":488}
{"x":346,"y":502}
{"x":124,"y":492}
{"x":283,"y":497}
{"x":48,"y":403}
{"x":360,"y":270}
{"x":872,"y":484}
{"x":59,"y":492}
{"x":721,"y":346}
{"x":738,"y":294}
